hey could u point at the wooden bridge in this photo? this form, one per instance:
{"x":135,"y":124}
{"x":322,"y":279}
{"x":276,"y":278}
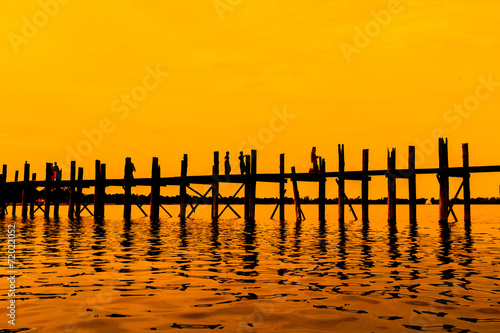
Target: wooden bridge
{"x":25,"y":190}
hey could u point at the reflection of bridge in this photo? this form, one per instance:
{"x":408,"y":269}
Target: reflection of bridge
{"x":24,"y":191}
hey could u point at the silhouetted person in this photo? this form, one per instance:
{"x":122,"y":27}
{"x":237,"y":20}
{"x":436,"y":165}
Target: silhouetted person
{"x":314,"y":160}
{"x":55,"y":172}
{"x":227,"y":166}
{"x":242,"y":163}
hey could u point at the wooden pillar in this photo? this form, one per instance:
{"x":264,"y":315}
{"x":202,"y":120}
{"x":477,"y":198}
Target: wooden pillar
{"x":247,"y":187}
{"x":341,"y":183}
{"x":57,"y":194}
{"x":71,"y":202}
{"x":184,"y":165}
{"x":78,"y":198}
{"x":412,"y":184}
{"x":102,"y":196}
{"x":48,"y":188}
{"x":282,"y":187}
{"x":3,"y":180}
{"x":154,"y":212}
{"x":391,"y":185}
{"x":97,"y":189}
{"x":127,"y":200}
{"x":32,"y":195}
{"x":296,"y":196}
{"x":466,"y":181}
{"x":15,"y":192}
{"x":322,"y":190}
{"x":253,"y":185}
{"x":26,"y":190}
{"x":364,"y":187}
{"x":444,"y":186}
{"x":215,"y":187}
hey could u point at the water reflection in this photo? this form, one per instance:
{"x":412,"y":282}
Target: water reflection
{"x":443,"y":254}
{"x":394,"y":253}
{"x":322,"y":243}
{"x":155,"y":242}
{"x":250,"y":259}
{"x":341,"y":248}
{"x":366,"y":248}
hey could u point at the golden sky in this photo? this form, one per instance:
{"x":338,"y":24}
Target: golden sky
{"x":111,"y":79}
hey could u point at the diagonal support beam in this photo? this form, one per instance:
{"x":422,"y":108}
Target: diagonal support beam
{"x":232,"y":197}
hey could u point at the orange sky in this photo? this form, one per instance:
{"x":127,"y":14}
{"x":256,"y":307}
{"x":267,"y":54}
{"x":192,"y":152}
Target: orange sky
{"x":206,"y":75}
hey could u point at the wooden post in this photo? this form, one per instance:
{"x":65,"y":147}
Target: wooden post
{"x":48,"y":188}
{"x":184,"y":165}
{"x":78,"y":199}
{"x":364,"y":187}
{"x":391,"y":185}
{"x":341,"y":183}
{"x":71,"y":202}
{"x":282,"y":187}
{"x":57,"y":194}
{"x":102,"y":196}
{"x":296,"y":197}
{"x":322,"y":190}
{"x":15,"y":193}
{"x":215,"y":187}
{"x":26,"y":190}
{"x":466,"y":181}
{"x":247,"y":187}
{"x":97,"y":189}
{"x":32,"y":195}
{"x":3,"y":180}
{"x":154,"y":212}
{"x":253,"y":186}
{"x":127,"y":201}
{"x":444,"y":186}
{"x":412,"y":185}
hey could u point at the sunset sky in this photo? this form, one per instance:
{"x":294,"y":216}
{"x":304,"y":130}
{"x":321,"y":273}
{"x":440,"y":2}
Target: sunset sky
{"x":104,"y":80}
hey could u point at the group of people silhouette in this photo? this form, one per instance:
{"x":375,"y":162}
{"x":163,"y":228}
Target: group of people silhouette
{"x":227,"y":165}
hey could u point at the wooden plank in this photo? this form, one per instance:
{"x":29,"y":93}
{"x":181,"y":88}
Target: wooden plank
{"x":97,"y":189}
{"x":72,"y":179}
{"x":78,"y":198}
{"x":296,"y":196}
{"x":127,"y":187}
{"x":364,"y":187}
{"x":412,"y":185}
{"x":26,"y":190}
{"x":466,"y":181}
{"x":32,"y":195}
{"x":183,"y":184}
{"x":57,"y":194}
{"x":341,"y":184}
{"x":443,"y":180}
{"x":48,"y":188}
{"x":247,"y":187}
{"x":3,"y":185}
{"x":322,"y":190}
{"x":282,"y":188}
{"x":15,"y":194}
{"x":154,"y":212}
{"x":215,"y":187}
{"x":391,"y":185}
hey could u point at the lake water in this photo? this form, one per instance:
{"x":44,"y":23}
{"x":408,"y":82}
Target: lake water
{"x":267,"y":276}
